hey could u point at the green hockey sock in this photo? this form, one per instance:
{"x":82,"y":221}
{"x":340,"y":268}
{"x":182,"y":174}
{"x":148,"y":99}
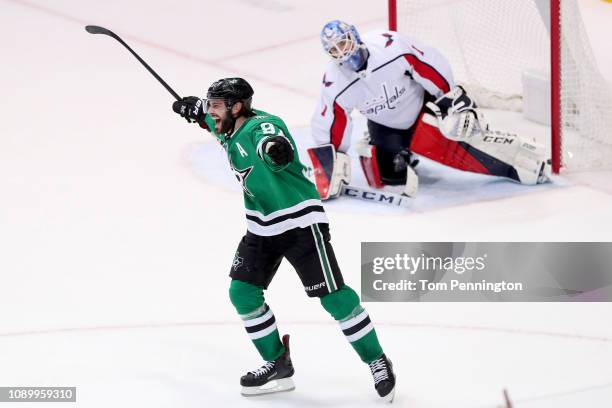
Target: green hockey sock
{"x":258,"y":319}
{"x":354,"y":321}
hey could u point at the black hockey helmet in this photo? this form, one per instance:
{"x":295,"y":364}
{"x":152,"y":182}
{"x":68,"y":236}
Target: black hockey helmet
{"x":231,"y":90}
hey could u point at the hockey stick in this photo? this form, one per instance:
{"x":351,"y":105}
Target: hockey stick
{"x":92,"y":29}
{"x":377,"y":196}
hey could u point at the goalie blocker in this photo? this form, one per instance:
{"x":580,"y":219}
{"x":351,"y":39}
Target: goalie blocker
{"x":332,"y":170}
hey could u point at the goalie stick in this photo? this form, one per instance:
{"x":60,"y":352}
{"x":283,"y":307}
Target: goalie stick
{"x":92,"y":29}
{"x":377,"y":196}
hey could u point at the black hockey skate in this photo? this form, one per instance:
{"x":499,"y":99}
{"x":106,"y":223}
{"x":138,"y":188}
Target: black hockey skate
{"x":384,"y":378}
{"x":274,"y":376}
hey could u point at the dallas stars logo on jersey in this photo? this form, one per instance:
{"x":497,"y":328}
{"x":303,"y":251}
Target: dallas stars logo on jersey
{"x":242,"y":176}
{"x":237,"y":262}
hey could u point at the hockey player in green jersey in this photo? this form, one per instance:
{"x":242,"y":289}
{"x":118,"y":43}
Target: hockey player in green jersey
{"x":285,"y":219}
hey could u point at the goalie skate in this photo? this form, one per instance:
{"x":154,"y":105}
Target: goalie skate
{"x":273,"y":376}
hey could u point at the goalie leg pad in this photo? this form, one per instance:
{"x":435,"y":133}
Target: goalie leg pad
{"x":412,"y":182}
{"x":428,"y":141}
{"x":531,"y":165}
{"x":369,"y":163}
{"x":493,"y":153}
{"x":332,"y":170}
{"x":384,"y":155}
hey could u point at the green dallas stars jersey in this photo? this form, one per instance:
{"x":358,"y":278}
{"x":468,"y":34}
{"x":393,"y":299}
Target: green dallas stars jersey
{"x":277,"y":198}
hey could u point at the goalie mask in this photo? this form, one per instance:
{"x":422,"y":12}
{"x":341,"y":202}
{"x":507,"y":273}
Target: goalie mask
{"x":342,"y":42}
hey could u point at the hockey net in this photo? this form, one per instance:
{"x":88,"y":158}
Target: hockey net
{"x":494,"y":45}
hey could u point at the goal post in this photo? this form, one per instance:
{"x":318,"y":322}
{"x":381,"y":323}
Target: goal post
{"x":392,"y":15}
{"x":530,"y":56}
{"x":555,"y":86}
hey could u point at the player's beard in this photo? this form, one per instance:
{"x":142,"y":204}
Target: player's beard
{"x":226,"y":124}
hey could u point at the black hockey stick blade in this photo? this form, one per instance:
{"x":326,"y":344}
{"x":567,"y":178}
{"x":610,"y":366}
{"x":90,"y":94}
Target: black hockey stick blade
{"x":93,"y":29}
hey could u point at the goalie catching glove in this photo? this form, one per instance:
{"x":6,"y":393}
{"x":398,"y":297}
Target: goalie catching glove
{"x":457,"y":114}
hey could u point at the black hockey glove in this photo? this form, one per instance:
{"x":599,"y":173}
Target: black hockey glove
{"x":279,"y":150}
{"x":191,"y":108}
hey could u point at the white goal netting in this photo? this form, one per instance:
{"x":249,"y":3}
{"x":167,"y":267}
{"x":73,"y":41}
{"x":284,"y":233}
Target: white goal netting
{"x":492,"y":43}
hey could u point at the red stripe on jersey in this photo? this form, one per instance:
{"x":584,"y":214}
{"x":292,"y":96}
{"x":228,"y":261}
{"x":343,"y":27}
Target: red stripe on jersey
{"x":428,"y":72}
{"x":338,"y":126}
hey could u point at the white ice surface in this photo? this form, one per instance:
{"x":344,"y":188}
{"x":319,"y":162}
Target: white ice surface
{"x":115,"y":244}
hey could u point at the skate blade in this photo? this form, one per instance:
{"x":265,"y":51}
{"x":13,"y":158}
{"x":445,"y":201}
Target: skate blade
{"x":282,"y":385}
{"x":389,"y":397}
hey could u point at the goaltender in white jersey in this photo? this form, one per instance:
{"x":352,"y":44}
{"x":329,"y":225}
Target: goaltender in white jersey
{"x":406,"y":90}
{"x":389,"y":89}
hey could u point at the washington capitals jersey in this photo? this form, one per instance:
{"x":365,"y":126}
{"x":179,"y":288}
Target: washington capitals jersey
{"x":276,"y":198}
{"x":389,"y":91}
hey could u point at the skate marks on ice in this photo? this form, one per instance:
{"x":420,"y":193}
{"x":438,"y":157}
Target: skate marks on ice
{"x":439,"y":186}
{"x":436,"y":366}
